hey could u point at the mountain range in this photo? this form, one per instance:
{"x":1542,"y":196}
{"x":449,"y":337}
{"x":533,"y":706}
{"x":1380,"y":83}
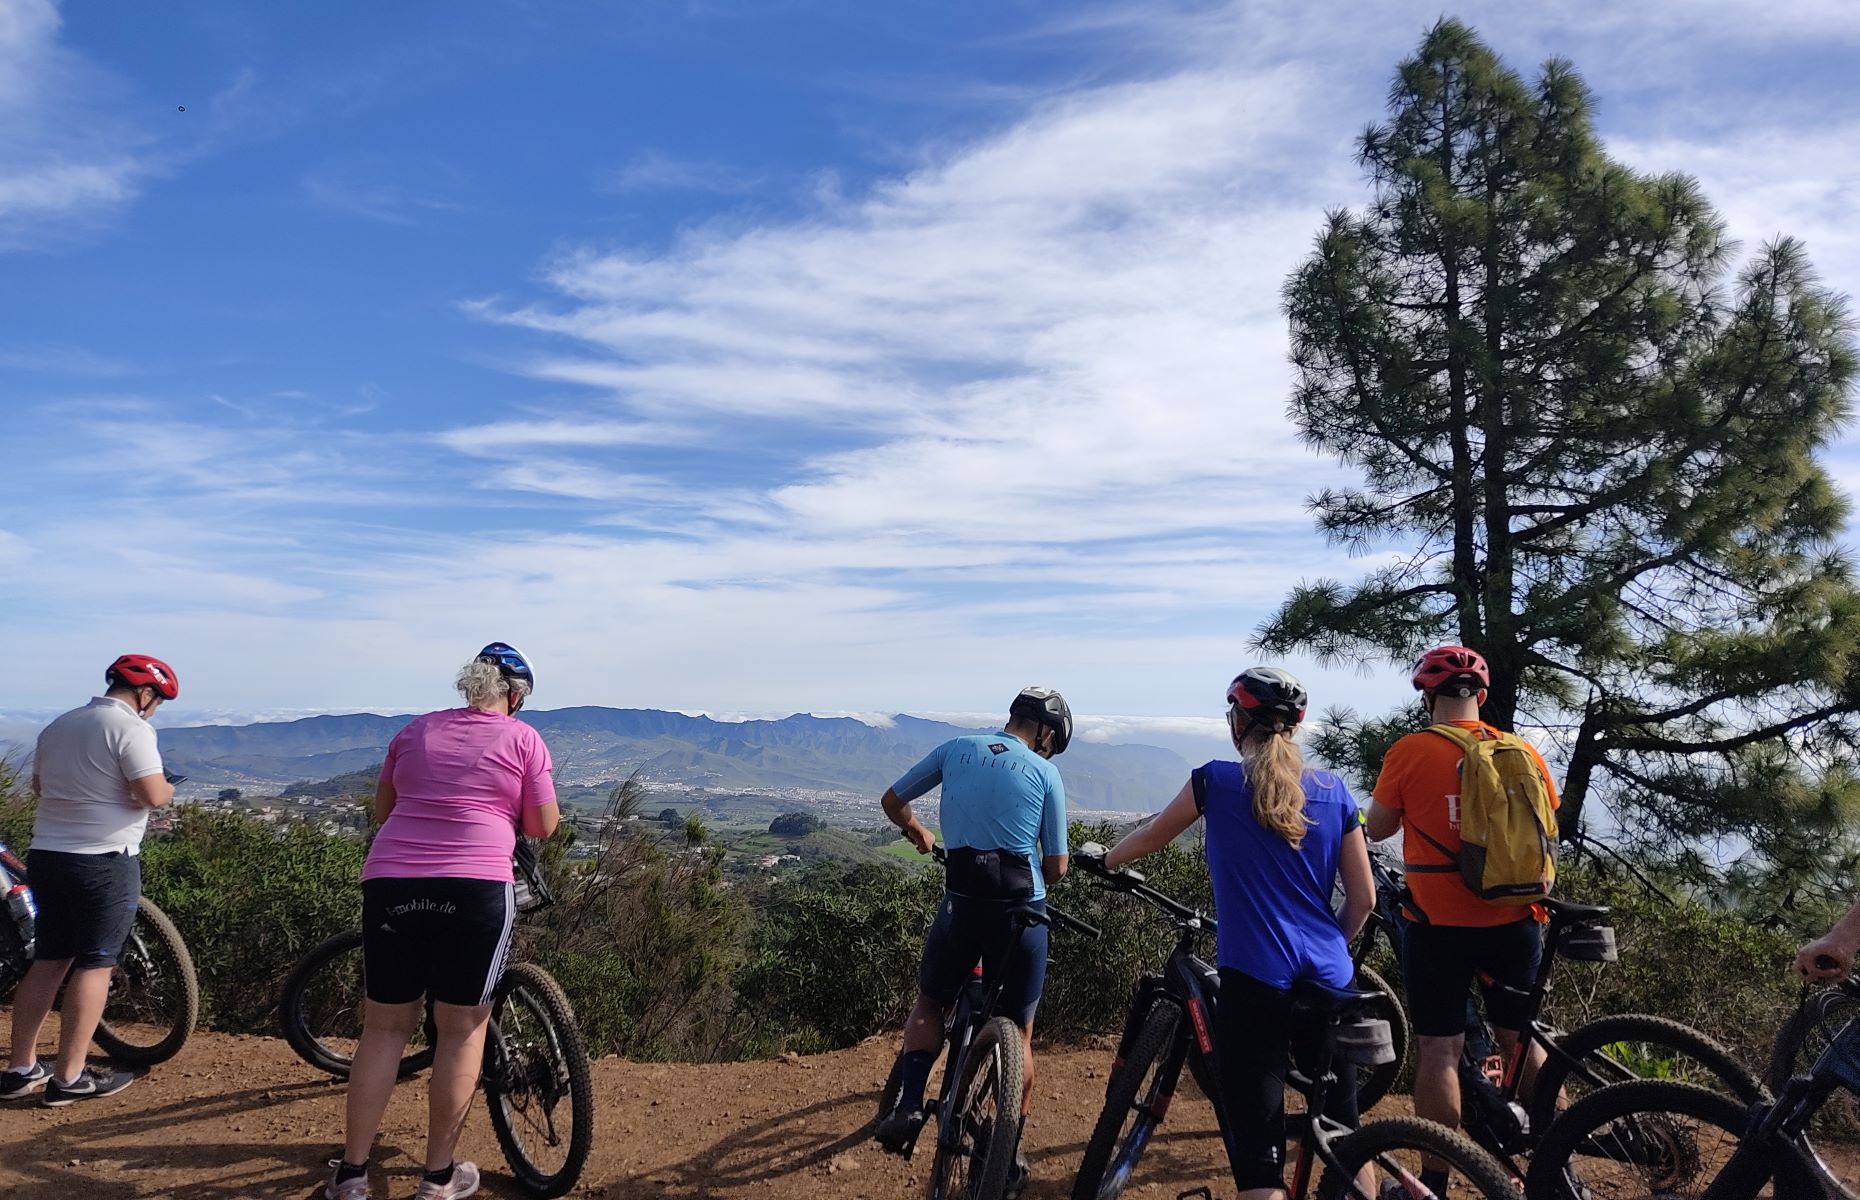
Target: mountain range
{"x":591,"y":744}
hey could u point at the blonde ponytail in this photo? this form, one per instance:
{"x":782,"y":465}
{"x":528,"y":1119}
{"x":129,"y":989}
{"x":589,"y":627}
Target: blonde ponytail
{"x":1275,"y":770}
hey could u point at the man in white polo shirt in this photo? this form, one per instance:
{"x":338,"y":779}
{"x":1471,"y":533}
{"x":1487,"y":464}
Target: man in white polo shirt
{"x":96,"y":773}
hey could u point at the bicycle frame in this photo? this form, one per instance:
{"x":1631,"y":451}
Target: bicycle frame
{"x":1836,"y":1069}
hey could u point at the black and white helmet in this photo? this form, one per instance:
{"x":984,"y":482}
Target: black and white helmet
{"x":1268,"y":696}
{"x":1049,"y":708}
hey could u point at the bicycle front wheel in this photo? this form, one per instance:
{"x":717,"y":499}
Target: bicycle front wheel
{"x":536,"y":1082}
{"x":1629,"y":1047}
{"x":1135,"y":1102}
{"x":979,"y":1134}
{"x":1652,"y":1138}
{"x":154,"y":1000}
{"x":1804,"y":1036}
{"x":320,"y":1009}
{"x":1398,"y":1147}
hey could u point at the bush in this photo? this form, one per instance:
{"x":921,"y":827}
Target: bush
{"x":249,"y":900}
{"x":795,"y":824}
{"x":645,"y":941}
{"x":835,"y":958}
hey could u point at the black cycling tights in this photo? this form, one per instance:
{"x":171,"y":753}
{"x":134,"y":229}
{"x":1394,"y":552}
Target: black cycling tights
{"x":1253,"y":1031}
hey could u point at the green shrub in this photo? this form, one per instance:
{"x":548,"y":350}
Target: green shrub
{"x":249,"y":899}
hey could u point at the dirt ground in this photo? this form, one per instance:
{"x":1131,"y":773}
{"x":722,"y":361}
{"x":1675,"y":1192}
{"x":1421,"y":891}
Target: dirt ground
{"x":243,"y":1117}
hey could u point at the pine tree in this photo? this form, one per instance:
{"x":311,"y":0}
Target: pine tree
{"x":1597,"y":460}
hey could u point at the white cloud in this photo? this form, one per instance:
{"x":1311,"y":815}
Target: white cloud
{"x":652,"y":171}
{"x":65,"y":155}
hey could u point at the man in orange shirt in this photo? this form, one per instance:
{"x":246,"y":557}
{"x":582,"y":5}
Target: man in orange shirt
{"x":1457,"y":936}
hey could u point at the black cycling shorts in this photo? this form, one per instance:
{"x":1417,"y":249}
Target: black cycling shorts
{"x":1440,"y":962}
{"x":1258,"y":1033}
{"x":443,"y":938}
{"x":967,"y":932}
{"x":87,"y":904}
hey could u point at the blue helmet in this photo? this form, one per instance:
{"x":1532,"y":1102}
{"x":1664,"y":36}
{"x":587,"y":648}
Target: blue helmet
{"x":510,"y":662}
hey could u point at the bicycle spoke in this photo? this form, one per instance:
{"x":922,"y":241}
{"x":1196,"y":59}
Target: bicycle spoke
{"x":1652,"y":1154}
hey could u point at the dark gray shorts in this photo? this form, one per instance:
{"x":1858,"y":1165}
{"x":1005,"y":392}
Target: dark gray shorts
{"x":87,"y":904}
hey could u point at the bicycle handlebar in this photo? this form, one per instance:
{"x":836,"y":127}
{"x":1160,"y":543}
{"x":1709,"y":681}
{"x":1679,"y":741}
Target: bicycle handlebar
{"x":1126,"y":880}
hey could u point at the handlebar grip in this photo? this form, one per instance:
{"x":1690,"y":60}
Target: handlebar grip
{"x":1072,"y":923}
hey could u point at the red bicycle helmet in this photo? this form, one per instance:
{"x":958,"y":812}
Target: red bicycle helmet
{"x":139,"y":670}
{"x":1449,"y":666}
{"x":1268,"y":695}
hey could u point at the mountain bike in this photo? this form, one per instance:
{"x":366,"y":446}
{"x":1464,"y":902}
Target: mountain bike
{"x":536,"y":1079}
{"x":1803,"y":1037}
{"x":1608,"y":1050}
{"x":978,"y":1106}
{"x":154,"y":997}
{"x":1171,"y":1024}
{"x":1659,"y":1138}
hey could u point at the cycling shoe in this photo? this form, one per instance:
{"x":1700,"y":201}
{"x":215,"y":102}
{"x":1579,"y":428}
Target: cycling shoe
{"x":898,"y":1131}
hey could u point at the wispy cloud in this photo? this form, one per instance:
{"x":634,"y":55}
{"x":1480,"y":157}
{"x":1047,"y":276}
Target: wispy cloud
{"x":371,"y":193}
{"x":652,"y":171}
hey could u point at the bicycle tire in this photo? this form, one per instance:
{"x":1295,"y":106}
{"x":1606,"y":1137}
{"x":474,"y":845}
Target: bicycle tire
{"x":148,"y":994}
{"x":1373,"y":1083}
{"x":1742,"y":1177}
{"x":1800,"y":1041}
{"x":314,"y":1035}
{"x":1588,"y":1044}
{"x":985,"y":1156}
{"x":1110,"y":1145}
{"x":567,"y":1075}
{"x":1372,"y":1143}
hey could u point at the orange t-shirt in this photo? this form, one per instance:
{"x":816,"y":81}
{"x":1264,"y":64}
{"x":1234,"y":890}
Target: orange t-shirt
{"x":1421,"y":780}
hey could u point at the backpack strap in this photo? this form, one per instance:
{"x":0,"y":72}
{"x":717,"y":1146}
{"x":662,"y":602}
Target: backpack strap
{"x":1464,"y":740}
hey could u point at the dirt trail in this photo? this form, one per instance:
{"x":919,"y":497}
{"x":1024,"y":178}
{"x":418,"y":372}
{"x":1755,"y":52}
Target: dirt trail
{"x":237,"y":1117}
{"x":244,"y":1117}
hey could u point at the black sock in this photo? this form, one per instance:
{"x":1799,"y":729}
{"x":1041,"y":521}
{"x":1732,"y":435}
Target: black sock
{"x":917,"y":1066}
{"x":442,"y":1177}
{"x":346,"y":1170}
{"x":1434,"y":1179}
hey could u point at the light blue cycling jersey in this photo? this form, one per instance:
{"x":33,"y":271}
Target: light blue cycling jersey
{"x":997,"y":795}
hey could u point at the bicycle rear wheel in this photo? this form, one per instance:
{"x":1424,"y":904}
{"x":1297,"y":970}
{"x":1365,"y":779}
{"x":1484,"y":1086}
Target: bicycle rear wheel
{"x":1629,"y":1047}
{"x":1398,"y":1147}
{"x":1651,"y":1138}
{"x":154,"y":1000}
{"x":1135,"y":1102}
{"x":979,"y":1134}
{"x":320,"y":1009}
{"x":536,"y":1082}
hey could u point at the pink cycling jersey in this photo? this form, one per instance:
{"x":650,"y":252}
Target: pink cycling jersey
{"x":461,"y":778}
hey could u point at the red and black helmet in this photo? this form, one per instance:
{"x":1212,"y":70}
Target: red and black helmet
{"x":140,"y":670}
{"x":1268,"y":696}
{"x":1452,"y":667}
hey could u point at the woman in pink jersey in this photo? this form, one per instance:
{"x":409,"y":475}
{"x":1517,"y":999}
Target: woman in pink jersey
{"x":437,"y":906}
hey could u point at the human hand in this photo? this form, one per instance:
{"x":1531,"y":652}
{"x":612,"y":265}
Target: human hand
{"x":920,"y":837}
{"x":1824,"y":960}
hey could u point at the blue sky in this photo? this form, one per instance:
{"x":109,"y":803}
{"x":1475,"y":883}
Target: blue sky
{"x":744,"y":357}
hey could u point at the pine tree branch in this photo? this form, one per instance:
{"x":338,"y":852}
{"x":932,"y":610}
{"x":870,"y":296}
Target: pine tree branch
{"x":1728,"y":745}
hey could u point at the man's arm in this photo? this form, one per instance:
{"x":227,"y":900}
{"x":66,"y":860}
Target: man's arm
{"x":898,"y":812}
{"x":385,"y":795}
{"x":1383,"y":821}
{"x":1840,"y":944}
{"x":151,"y":791}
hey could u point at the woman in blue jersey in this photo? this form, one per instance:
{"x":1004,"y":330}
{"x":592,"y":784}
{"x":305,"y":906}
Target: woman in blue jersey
{"x":1278,"y":837}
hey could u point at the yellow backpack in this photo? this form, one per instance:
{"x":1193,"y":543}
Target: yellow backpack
{"x":1507,"y":821}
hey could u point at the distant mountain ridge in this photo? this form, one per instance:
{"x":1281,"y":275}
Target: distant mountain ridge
{"x":592,"y":743}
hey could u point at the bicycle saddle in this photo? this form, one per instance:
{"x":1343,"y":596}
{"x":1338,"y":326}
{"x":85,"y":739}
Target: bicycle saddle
{"x":1324,"y":998}
{"x":1566,"y":913}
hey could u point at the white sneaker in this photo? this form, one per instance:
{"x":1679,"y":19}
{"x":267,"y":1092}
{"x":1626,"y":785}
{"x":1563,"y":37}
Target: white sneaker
{"x":348,"y":1189}
{"x":464,"y":1183}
